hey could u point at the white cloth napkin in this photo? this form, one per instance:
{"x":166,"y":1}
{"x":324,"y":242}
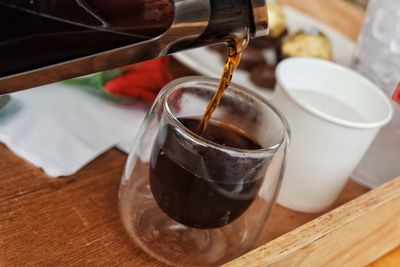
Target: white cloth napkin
{"x":60,"y":128}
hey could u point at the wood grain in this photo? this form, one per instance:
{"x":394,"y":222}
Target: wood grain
{"x":340,"y":15}
{"x":354,"y":234}
{"x":74,"y":221}
{"x":392,"y":259}
{"x":71,"y":221}
{"x":284,"y":220}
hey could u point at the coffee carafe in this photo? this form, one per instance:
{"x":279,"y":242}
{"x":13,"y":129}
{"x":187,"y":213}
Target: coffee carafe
{"x":44,"y":41}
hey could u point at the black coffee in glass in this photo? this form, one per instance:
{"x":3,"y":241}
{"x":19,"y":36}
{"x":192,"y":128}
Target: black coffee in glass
{"x":204,"y":186}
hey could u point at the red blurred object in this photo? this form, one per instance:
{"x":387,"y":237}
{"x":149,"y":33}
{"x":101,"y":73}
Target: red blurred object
{"x":396,"y":94}
{"x":143,"y":80}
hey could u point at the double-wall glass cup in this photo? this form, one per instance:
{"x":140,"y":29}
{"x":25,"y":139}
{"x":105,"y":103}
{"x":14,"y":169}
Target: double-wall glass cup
{"x":202,"y":200}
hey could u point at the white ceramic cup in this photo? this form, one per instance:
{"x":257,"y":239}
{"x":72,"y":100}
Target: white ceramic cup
{"x":334,"y":114}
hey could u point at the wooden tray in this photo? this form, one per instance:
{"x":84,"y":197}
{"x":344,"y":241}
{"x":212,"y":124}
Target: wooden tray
{"x":353,"y":234}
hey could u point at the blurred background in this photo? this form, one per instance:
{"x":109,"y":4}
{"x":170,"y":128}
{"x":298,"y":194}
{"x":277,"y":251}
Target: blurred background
{"x":362,"y":3}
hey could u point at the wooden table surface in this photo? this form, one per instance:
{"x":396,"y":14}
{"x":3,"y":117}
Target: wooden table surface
{"x":74,"y":221}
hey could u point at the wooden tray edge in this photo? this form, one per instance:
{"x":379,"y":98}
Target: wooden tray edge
{"x":353,"y":234}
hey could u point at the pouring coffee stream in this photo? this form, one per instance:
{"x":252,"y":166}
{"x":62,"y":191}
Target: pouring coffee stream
{"x":231,"y":64}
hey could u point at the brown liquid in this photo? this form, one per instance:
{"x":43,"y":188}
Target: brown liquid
{"x":232,"y":62}
{"x":201,"y":187}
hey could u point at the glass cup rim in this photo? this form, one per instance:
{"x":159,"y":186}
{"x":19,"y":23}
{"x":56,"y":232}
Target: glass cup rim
{"x":171,"y":86}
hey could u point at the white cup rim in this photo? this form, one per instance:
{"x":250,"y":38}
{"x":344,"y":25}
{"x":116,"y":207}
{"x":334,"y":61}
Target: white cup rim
{"x":338,"y":68}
